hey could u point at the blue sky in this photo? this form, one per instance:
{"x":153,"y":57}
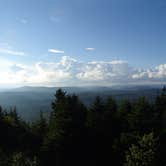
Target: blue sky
{"x":48,"y":31}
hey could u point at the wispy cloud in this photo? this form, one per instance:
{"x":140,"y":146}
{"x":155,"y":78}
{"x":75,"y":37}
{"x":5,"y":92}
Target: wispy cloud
{"x":90,"y":49}
{"x":55,"y":51}
{"x":57,"y":16}
{"x":11,"y":52}
{"x":55,"y":19}
{"x":24,"y":21}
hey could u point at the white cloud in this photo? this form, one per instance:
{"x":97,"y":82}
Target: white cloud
{"x":69,"y":71}
{"x":156,"y":74}
{"x":55,"y":51}
{"x":105,"y":71}
{"x":11,"y":52}
{"x":90,"y":49}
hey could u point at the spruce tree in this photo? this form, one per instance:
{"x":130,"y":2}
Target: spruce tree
{"x":142,"y":153}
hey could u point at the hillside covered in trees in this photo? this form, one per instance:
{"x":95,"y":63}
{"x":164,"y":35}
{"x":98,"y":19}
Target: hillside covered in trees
{"x":131,"y":133}
{"x":31,"y":100}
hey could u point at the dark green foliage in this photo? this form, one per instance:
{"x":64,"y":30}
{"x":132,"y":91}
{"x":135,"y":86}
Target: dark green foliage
{"x":143,"y":152}
{"x":160,"y":108}
{"x":124,"y":113}
{"x":141,"y":115}
{"x":20,"y":159}
{"x":94,"y":116}
{"x":106,"y":133}
{"x":66,"y":125}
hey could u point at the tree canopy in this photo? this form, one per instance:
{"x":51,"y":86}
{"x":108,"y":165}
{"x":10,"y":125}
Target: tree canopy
{"x":126,"y":133}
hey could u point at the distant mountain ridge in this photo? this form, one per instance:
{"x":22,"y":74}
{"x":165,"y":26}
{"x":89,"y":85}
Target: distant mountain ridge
{"x":30,"y":100}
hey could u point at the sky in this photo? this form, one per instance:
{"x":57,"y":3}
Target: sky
{"x":82,"y":42}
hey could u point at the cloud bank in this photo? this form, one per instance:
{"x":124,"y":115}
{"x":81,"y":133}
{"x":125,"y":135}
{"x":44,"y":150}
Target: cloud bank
{"x":71,"y":72}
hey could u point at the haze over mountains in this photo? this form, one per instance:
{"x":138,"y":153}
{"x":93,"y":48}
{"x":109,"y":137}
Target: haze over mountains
{"x":29,"y":101}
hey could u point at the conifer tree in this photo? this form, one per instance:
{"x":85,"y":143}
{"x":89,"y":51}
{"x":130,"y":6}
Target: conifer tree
{"x":143,"y":152}
{"x":160,"y":108}
{"x":95,"y":113}
{"x":124,"y":111}
{"x":140,"y":116}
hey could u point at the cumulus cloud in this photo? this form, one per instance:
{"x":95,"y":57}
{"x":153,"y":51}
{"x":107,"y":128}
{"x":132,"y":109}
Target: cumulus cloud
{"x":105,"y":72}
{"x":156,"y":74}
{"x":55,"y":51}
{"x":71,"y":72}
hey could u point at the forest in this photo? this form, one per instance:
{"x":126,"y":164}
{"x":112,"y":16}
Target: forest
{"x":129,"y":133}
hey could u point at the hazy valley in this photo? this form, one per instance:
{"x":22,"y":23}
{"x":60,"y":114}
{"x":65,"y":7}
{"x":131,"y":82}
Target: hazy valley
{"x":29,"y":101}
